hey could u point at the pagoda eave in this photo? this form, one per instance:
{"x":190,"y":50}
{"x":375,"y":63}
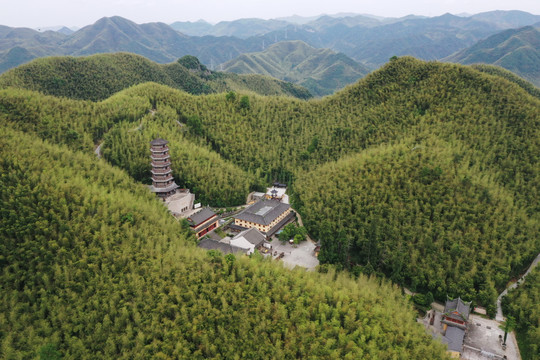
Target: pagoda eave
{"x":166,"y":189}
{"x":160,"y":172}
{"x":168,"y":163}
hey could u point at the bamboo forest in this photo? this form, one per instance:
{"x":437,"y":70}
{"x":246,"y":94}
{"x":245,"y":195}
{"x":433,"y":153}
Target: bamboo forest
{"x":422,"y":175}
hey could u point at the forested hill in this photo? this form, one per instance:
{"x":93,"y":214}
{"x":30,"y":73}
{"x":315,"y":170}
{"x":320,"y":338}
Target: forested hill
{"x":465,"y":196}
{"x":93,"y":266}
{"x":426,"y":173}
{"x":321,"y":71}
{"x":517,"y":50}
{"x":97,"y":77}
{"x":508,"y":75}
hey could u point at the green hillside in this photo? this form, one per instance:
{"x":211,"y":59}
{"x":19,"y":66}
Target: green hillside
{"x":97,"y":77}
{"x":485,"y":128}
{"x":93,"y":266}
{"x":517,"y":50}
{"x":510,"y":76}
{"x":442,"y":188}
{"x":321,"y":71}
{"x":426,"y":173}
{"x":195,"y":165}
{"x":417,"y":213}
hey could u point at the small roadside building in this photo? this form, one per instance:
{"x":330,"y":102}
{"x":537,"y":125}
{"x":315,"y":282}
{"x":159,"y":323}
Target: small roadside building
{"x":267,"y":216}
{"x":249,"y":240}
{"x":203,"y":221}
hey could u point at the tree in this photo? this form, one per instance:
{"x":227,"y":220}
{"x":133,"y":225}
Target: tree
{"x":49,"y":352}
{"x":291,"y":231}
{"x":508,"y":326}
{"x":231,"y":96}
{"x":314,"y":144}
{"x":195,"y":125}
{"x":244,"y":103}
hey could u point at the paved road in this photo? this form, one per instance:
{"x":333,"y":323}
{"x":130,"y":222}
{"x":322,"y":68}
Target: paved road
{"x":499,"y":316}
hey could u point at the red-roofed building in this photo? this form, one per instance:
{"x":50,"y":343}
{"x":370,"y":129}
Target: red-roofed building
{"x":203,"y":221}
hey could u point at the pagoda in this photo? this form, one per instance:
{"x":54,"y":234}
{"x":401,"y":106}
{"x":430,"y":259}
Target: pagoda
{"x":162,"y":180}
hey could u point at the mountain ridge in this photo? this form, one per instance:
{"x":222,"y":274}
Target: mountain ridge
{"x":321,"y":71}
{"x":91,"y":77}
{"x":517,"y":50}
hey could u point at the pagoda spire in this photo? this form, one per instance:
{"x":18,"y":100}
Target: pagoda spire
{"x":163,"y":184}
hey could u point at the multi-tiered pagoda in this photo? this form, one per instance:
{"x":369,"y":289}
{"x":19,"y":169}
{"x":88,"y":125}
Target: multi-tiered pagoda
{"x":162,"y":180}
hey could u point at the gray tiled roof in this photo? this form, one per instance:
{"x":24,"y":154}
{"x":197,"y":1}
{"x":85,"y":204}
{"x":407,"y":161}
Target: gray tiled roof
{"x":225,"y":248}
{"x":200,"y":217}
{"x":169,"y":187}
{"x":454,"y":338}
{"x":462,"y":307}
{"x":252,"y":235}
{"x":263,"y":212}
{"x":159,"y":141}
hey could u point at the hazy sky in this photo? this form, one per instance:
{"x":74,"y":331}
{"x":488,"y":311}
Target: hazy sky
{"x":42,"y":13}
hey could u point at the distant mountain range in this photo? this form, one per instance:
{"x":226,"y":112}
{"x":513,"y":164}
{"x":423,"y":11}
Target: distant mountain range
{"x":156,"y":41}
{"x":508,"y":19}
{"x":517,"y":50}
{"x":424,"y":38}
{"x":367,"y":39}
{"x":242,"y":28}
{"x":370,"y":39}
{"x":321,"y":71}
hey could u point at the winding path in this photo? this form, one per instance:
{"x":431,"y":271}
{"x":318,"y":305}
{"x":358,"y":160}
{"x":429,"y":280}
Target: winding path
{"x":499,"y":316}
{"x":98,"y":150}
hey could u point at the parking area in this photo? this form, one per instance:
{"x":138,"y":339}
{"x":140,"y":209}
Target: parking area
{"x":302,"y":254}
{"x":483,"y":340}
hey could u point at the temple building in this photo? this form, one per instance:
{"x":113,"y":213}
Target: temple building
{"x":456,"y":313}
{"x":163,"y":184}
{"x":203,"y":221}
{"x":454,"y":321}
{"x":249,"y":240}
{"x":245,"y":242}
{"x":267,"y":216}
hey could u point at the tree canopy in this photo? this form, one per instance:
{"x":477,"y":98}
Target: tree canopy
{"x":93,"y":266}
